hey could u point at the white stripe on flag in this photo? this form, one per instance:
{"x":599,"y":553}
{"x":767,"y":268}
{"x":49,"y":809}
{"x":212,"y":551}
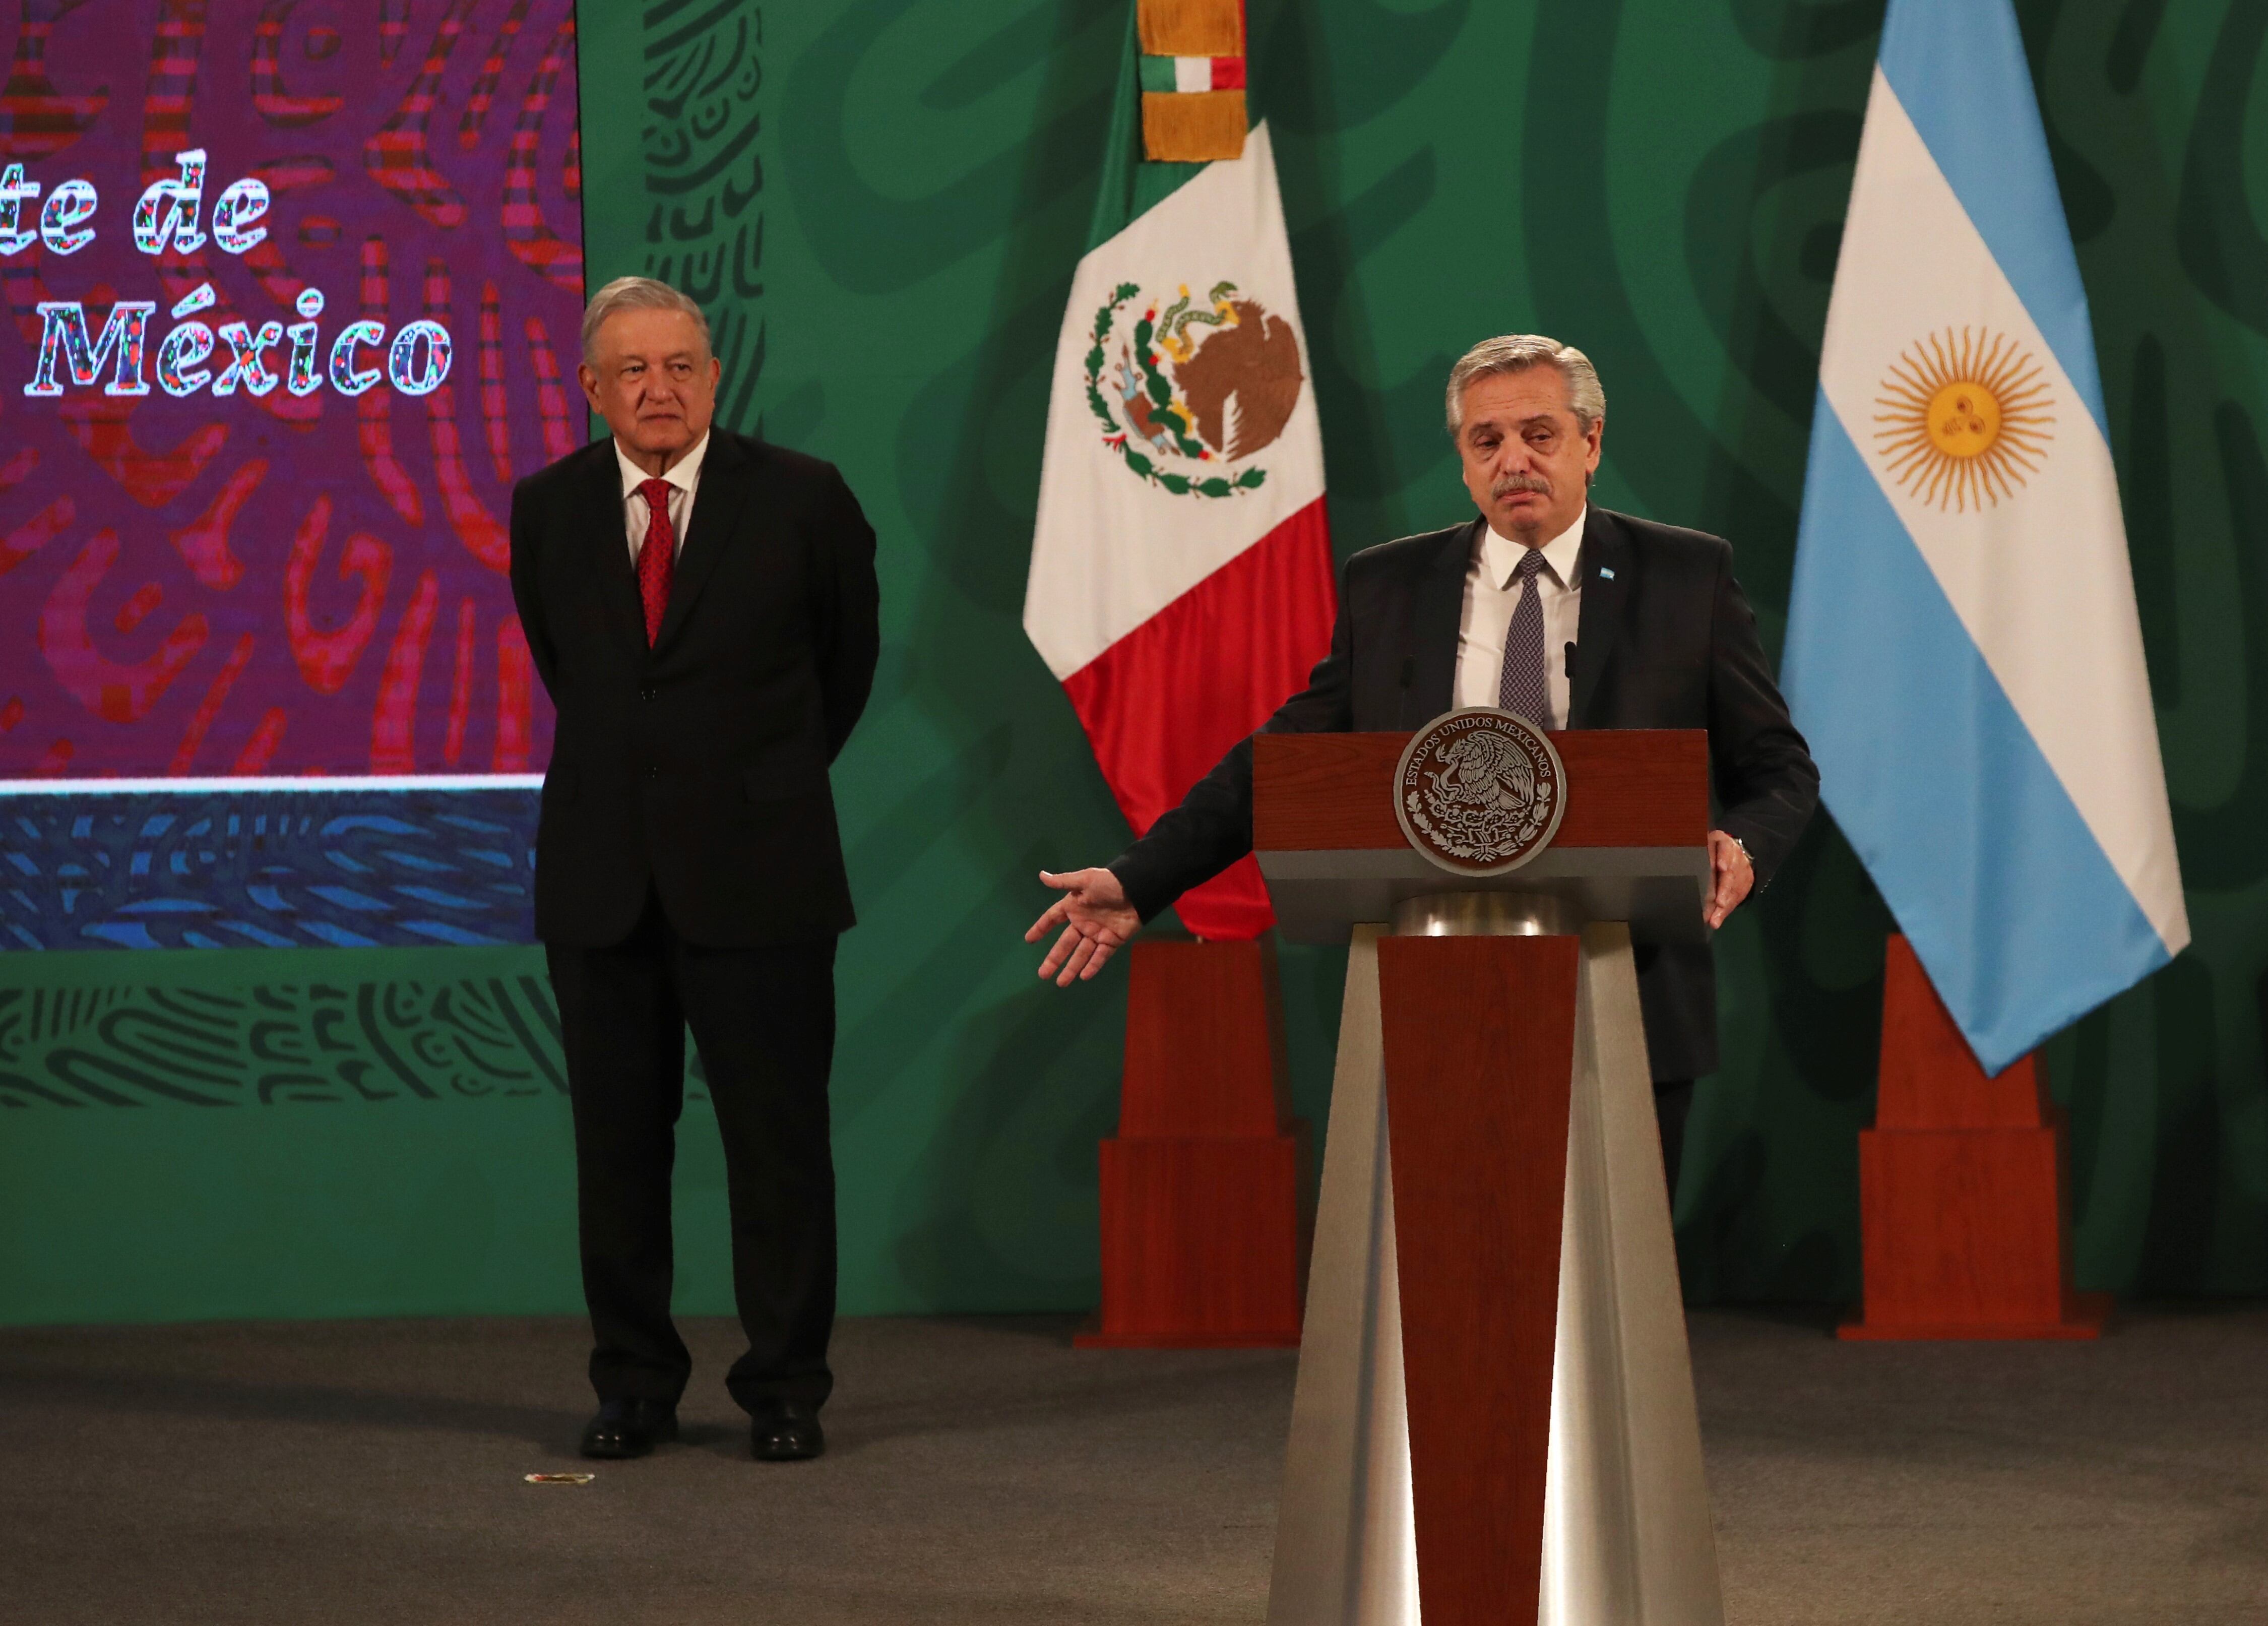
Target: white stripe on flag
{"x":1193,"y":73}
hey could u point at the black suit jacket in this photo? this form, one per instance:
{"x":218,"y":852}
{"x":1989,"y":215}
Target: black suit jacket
{"x":1665,"y":640}
{"x":698,"y":766}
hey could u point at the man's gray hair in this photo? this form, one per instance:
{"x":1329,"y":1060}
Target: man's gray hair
{"x":1517,"y":352}
{"x":637,"y":293}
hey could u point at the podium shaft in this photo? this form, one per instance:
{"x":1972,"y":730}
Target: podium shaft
{"x":1480,"y":1049}
{"x":1625,"y":1535}
{"x":1346,"y":1551}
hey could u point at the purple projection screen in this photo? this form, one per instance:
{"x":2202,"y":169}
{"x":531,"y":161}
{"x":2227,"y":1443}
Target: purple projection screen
{"x":293,"y":292}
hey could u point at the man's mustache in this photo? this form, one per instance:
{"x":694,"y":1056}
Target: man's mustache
{"x":1511,"y":483}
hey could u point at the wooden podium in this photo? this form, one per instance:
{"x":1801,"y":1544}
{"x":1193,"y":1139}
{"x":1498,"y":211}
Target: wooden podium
{"x":1494,"y":1414}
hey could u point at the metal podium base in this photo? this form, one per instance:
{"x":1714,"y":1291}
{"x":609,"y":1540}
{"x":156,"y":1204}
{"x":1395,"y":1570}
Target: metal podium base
{"x":1627,"y":1537}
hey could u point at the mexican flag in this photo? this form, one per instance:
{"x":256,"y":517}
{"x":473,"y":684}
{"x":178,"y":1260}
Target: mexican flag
{"x":1180,"y":585}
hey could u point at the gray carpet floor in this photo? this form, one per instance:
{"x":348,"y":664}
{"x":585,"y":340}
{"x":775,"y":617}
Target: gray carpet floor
{"x":985,"y":1471}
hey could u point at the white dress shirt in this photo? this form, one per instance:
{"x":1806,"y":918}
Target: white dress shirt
{"x":1492,"y":590}
{"x":684,"y":477}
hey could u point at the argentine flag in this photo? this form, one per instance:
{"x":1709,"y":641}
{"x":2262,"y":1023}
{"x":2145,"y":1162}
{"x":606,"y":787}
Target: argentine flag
{"x":1962,"y":648}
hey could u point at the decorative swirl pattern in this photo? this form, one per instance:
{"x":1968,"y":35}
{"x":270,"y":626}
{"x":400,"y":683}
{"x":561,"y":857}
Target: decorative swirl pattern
{"x":211,"y":869}
{"x":348,"y":1030}
{"x":155,"y":617}
{"x":704,"y":175}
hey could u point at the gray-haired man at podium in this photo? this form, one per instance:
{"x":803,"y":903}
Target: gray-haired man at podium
{"x":1572,"y":616}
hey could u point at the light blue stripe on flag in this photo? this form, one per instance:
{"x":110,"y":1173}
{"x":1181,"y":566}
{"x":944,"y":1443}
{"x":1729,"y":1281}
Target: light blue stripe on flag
{"x":1958,"y":69}
{"x":1969,"y":834}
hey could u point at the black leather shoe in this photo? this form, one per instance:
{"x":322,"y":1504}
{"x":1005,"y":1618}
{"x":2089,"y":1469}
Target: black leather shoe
{"x":630,"y":1428}
{"x":786,"y":1431}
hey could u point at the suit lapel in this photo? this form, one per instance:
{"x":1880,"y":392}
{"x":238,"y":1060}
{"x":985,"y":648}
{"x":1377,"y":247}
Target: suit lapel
{"x":1606,"y":567}
{"x":1437,"y":609}
{"x":728,"y":474}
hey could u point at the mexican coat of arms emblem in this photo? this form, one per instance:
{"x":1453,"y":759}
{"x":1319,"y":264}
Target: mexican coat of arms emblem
{"x":1479,"y":791}
{"x":1191,"y":388}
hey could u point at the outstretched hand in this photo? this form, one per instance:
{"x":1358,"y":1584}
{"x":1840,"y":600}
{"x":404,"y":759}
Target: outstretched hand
{"x":1095,"y":918}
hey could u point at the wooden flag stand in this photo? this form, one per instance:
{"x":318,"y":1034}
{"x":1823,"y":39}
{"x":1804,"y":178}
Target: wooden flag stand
{"x":1965,"y":1224}
{"x":1204,"y":1232}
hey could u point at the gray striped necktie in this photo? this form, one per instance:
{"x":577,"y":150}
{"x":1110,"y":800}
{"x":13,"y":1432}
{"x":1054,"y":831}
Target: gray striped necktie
{"x":1523,"y":689}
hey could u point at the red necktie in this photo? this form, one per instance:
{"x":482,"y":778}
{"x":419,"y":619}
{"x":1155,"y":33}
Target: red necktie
{"x":656,"y":558}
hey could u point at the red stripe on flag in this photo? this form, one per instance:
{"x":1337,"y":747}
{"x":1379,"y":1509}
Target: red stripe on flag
{"x":1166,"y":702}
{"x":1228,"y":73}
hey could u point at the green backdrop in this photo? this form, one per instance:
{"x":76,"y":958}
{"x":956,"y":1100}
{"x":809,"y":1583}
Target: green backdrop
{"x":1659,"y":182}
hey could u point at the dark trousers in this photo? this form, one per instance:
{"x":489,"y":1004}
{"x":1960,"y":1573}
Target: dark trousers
{"x":764,"y":1019}
{"x":1673,"y":1103}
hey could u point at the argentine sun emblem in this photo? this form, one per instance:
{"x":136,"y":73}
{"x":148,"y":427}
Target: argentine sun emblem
{"x":1187,"y":390}
{"x":1479,"y":791}
{"x":1964,"y":419}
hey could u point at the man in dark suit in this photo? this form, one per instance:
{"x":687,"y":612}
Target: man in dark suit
{"x":1576,"y":617}
{"x":702,"y":608}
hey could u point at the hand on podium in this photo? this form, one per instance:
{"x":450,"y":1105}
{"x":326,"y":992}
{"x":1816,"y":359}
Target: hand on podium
{"x":1095,"y":918}
{"x":1728,"y":862}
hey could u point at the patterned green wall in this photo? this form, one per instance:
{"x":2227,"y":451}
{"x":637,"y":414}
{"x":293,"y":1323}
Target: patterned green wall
{"x":1662,"y":183}
{"x":881,"y":200}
